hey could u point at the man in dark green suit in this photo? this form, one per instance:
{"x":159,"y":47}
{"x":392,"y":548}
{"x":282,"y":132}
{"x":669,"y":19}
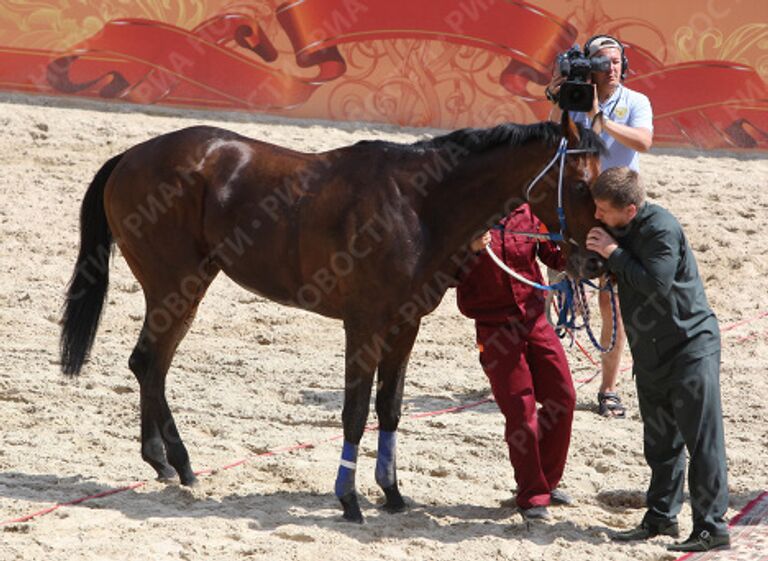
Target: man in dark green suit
{"x":675,"y":343}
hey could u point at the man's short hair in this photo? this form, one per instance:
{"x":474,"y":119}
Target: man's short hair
{"x":619,"y":186}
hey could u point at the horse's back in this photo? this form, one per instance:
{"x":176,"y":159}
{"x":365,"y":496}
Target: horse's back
{"x":310,"y":230}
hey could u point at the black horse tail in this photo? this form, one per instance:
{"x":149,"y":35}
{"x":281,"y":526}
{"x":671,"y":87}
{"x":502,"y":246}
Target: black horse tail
{"x":88,"y":285}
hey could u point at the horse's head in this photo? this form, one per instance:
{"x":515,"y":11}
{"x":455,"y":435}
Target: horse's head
{"x":568,"y":208}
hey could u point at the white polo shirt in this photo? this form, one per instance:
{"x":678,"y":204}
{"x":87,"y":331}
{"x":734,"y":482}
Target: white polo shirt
{"x":626,"y":107}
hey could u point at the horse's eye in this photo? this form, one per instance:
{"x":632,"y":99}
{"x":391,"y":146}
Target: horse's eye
{"x":580,"y":187}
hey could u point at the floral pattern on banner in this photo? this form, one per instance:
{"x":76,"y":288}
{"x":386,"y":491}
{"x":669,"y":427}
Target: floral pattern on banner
{"x":429,"y":83}
{"x":56,"y":25}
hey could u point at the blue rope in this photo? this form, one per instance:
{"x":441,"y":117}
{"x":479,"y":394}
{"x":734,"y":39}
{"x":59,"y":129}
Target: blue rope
{"x":568,"y":292}
{"x":585,"y":308}
{"x":561,"y":217}
{"x":567,"y":317}
{"x":548,"y":236}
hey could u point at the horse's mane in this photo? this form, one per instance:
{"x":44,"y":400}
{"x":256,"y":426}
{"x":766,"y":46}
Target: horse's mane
{"x":479,"y":140}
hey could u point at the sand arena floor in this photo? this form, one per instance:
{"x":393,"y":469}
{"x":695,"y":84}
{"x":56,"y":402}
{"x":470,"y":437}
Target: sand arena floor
{"x":252,"y":376}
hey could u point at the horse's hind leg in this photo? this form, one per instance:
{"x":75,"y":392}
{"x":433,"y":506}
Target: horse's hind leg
{"x":389,"y":400}
{"x":171,"y":301}
{"x":164,"y":328}
{"x":152,"y":447}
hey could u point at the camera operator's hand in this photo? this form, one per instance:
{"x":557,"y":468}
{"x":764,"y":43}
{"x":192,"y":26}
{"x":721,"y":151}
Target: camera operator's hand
{"x":595,"y":104}
{"x":552,"y":91}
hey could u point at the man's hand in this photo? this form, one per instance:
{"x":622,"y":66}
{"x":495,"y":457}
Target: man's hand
{"x":601,"y":242}
{"x":595,"y":104}
{"x":478,"y":244}
{"x":554,"y":87}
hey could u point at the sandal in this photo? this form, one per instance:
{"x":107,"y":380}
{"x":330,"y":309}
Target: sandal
{"x":609,"y":405}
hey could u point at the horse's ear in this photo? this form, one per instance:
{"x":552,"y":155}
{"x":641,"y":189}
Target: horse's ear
{"x":570,"y":130}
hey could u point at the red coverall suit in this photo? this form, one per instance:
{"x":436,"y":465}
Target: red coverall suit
{"x":522,"y":356}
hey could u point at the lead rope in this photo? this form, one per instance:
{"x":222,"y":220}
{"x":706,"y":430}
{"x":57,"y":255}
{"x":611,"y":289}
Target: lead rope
{"x":573,"y":300}
{"x":563,"y":289}
{"x":585,"y":314}
{"x":571,"y":297}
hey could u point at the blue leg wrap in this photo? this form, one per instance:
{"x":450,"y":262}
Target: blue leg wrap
{"x":345,"y":479}
{"x":385,"y":460}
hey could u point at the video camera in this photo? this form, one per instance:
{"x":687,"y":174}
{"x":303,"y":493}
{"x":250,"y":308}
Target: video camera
{"x":577,"y":93}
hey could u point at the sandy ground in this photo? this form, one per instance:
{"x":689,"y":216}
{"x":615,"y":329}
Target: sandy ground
{"x":253,"y":376}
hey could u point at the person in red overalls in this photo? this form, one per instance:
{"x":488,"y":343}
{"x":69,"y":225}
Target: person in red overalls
{"x":522,"y":357}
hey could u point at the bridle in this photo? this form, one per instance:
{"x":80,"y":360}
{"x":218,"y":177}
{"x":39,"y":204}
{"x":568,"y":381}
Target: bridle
{"x":560,"y":154}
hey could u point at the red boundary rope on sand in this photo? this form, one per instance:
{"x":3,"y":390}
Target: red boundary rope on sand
{"x":240,"y":462}
{"x":456,"y":409}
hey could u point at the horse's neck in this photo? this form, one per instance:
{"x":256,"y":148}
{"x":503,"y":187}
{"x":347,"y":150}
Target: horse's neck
{"x":478,"y":192}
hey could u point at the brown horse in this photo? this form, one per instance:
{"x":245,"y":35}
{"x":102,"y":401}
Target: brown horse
{"x":371,"y":234}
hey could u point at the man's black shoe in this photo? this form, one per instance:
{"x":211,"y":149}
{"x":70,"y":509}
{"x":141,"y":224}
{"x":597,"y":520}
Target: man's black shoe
{"x":645,"y":531}
{"x":702,"y":541}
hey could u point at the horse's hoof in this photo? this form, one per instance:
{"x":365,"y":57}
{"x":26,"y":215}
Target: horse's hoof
{"x":395,"y":507}
{"x":167,"y":475}
{"x":352,"y":512}
{"x":395,"y":502}
{"x":189,"y":481}
{"x":167,"y":480}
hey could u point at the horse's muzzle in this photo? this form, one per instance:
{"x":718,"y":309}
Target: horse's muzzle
{"x":586,"y":265}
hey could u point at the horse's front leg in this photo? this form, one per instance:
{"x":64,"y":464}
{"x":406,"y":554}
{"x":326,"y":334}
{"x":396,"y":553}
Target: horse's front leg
{"x":389,"y":400}
{"x":363,"y":353}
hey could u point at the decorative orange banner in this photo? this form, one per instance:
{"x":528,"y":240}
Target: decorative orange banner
{"x":500,"y":52}
{"x":151,"y":59}
{"x":144,"y":61}
{"x":707,"y":103}
{"x":530,"y":37}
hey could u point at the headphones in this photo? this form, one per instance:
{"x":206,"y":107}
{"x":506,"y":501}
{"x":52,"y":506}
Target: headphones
{"x":603,"y":41}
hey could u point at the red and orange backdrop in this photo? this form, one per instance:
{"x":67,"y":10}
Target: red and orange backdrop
{"x":447,"y":63}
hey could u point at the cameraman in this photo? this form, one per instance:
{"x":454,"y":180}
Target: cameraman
{"x":624,"y":120}
{"x":622,"y":116}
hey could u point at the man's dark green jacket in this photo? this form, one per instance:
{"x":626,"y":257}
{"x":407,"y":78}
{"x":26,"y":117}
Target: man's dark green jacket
{"x":663,"y":305}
